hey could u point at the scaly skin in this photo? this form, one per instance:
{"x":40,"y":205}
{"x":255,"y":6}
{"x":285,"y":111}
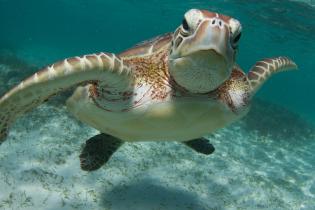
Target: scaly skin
{"x":147,"y":117}
{"x":57,"y":77}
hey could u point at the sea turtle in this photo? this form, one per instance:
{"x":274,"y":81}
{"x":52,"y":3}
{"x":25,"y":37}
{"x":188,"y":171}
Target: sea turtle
{"x":179,"y":86}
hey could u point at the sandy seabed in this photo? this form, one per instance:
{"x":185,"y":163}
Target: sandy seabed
{"x":250,"y":169}
{"x":264,"y":161}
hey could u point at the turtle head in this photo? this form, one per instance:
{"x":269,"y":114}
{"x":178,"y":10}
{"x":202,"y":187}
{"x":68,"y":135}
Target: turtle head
{"x":203,"y":50}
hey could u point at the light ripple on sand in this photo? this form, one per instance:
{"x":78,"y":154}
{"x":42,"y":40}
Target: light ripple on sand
{"x":250,"y":169}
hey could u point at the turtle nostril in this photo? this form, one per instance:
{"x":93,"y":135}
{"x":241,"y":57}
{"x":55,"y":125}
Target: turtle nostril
{"x":213,"y":21}
{"x":220,"y":23}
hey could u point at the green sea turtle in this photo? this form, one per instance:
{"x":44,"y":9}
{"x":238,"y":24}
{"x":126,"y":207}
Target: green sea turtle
{"x":179,"y":86}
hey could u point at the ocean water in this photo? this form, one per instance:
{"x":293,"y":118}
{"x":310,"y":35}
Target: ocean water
{"x":264,"y":161}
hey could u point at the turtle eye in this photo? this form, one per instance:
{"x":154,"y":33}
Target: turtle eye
{"x":236,"y":39}
{"x":185,"y":25}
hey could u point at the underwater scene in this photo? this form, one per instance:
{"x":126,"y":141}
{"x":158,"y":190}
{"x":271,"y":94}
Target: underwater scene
{"x":258,"y":149}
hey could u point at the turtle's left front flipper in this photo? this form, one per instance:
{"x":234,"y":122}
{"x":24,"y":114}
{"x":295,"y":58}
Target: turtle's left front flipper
{"x":263,"y":69}
{"x":104,"y":67}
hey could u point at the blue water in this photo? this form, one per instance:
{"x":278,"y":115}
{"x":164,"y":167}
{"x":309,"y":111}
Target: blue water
{"x":268,"y":164}
{"x":51,"y":30}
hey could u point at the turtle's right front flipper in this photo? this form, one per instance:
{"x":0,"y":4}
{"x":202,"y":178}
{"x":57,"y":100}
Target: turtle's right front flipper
{"x":33,"y":91}
{"x":263,"y":69}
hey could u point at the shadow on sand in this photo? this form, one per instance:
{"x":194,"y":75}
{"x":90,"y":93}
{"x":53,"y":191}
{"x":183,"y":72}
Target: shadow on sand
{"x":150,"y":194}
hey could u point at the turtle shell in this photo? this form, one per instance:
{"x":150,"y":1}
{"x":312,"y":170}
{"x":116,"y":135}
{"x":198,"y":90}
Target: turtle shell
{"x":148,"y":47}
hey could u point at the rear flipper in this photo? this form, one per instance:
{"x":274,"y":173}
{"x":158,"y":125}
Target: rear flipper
{"x":201,"y":145}
{"x":98,"y":150}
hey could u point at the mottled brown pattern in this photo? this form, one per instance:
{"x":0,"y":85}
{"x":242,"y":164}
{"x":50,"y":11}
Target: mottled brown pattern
{"x":237,"y":81}
{"x":152,"y":70}
{"x":93,"y":91}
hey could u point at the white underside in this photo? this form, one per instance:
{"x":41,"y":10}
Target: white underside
{"x":181,"y":120}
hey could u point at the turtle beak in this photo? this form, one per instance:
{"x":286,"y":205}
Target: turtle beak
{"x":212,"y":35}
{"x":202,"y":61}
